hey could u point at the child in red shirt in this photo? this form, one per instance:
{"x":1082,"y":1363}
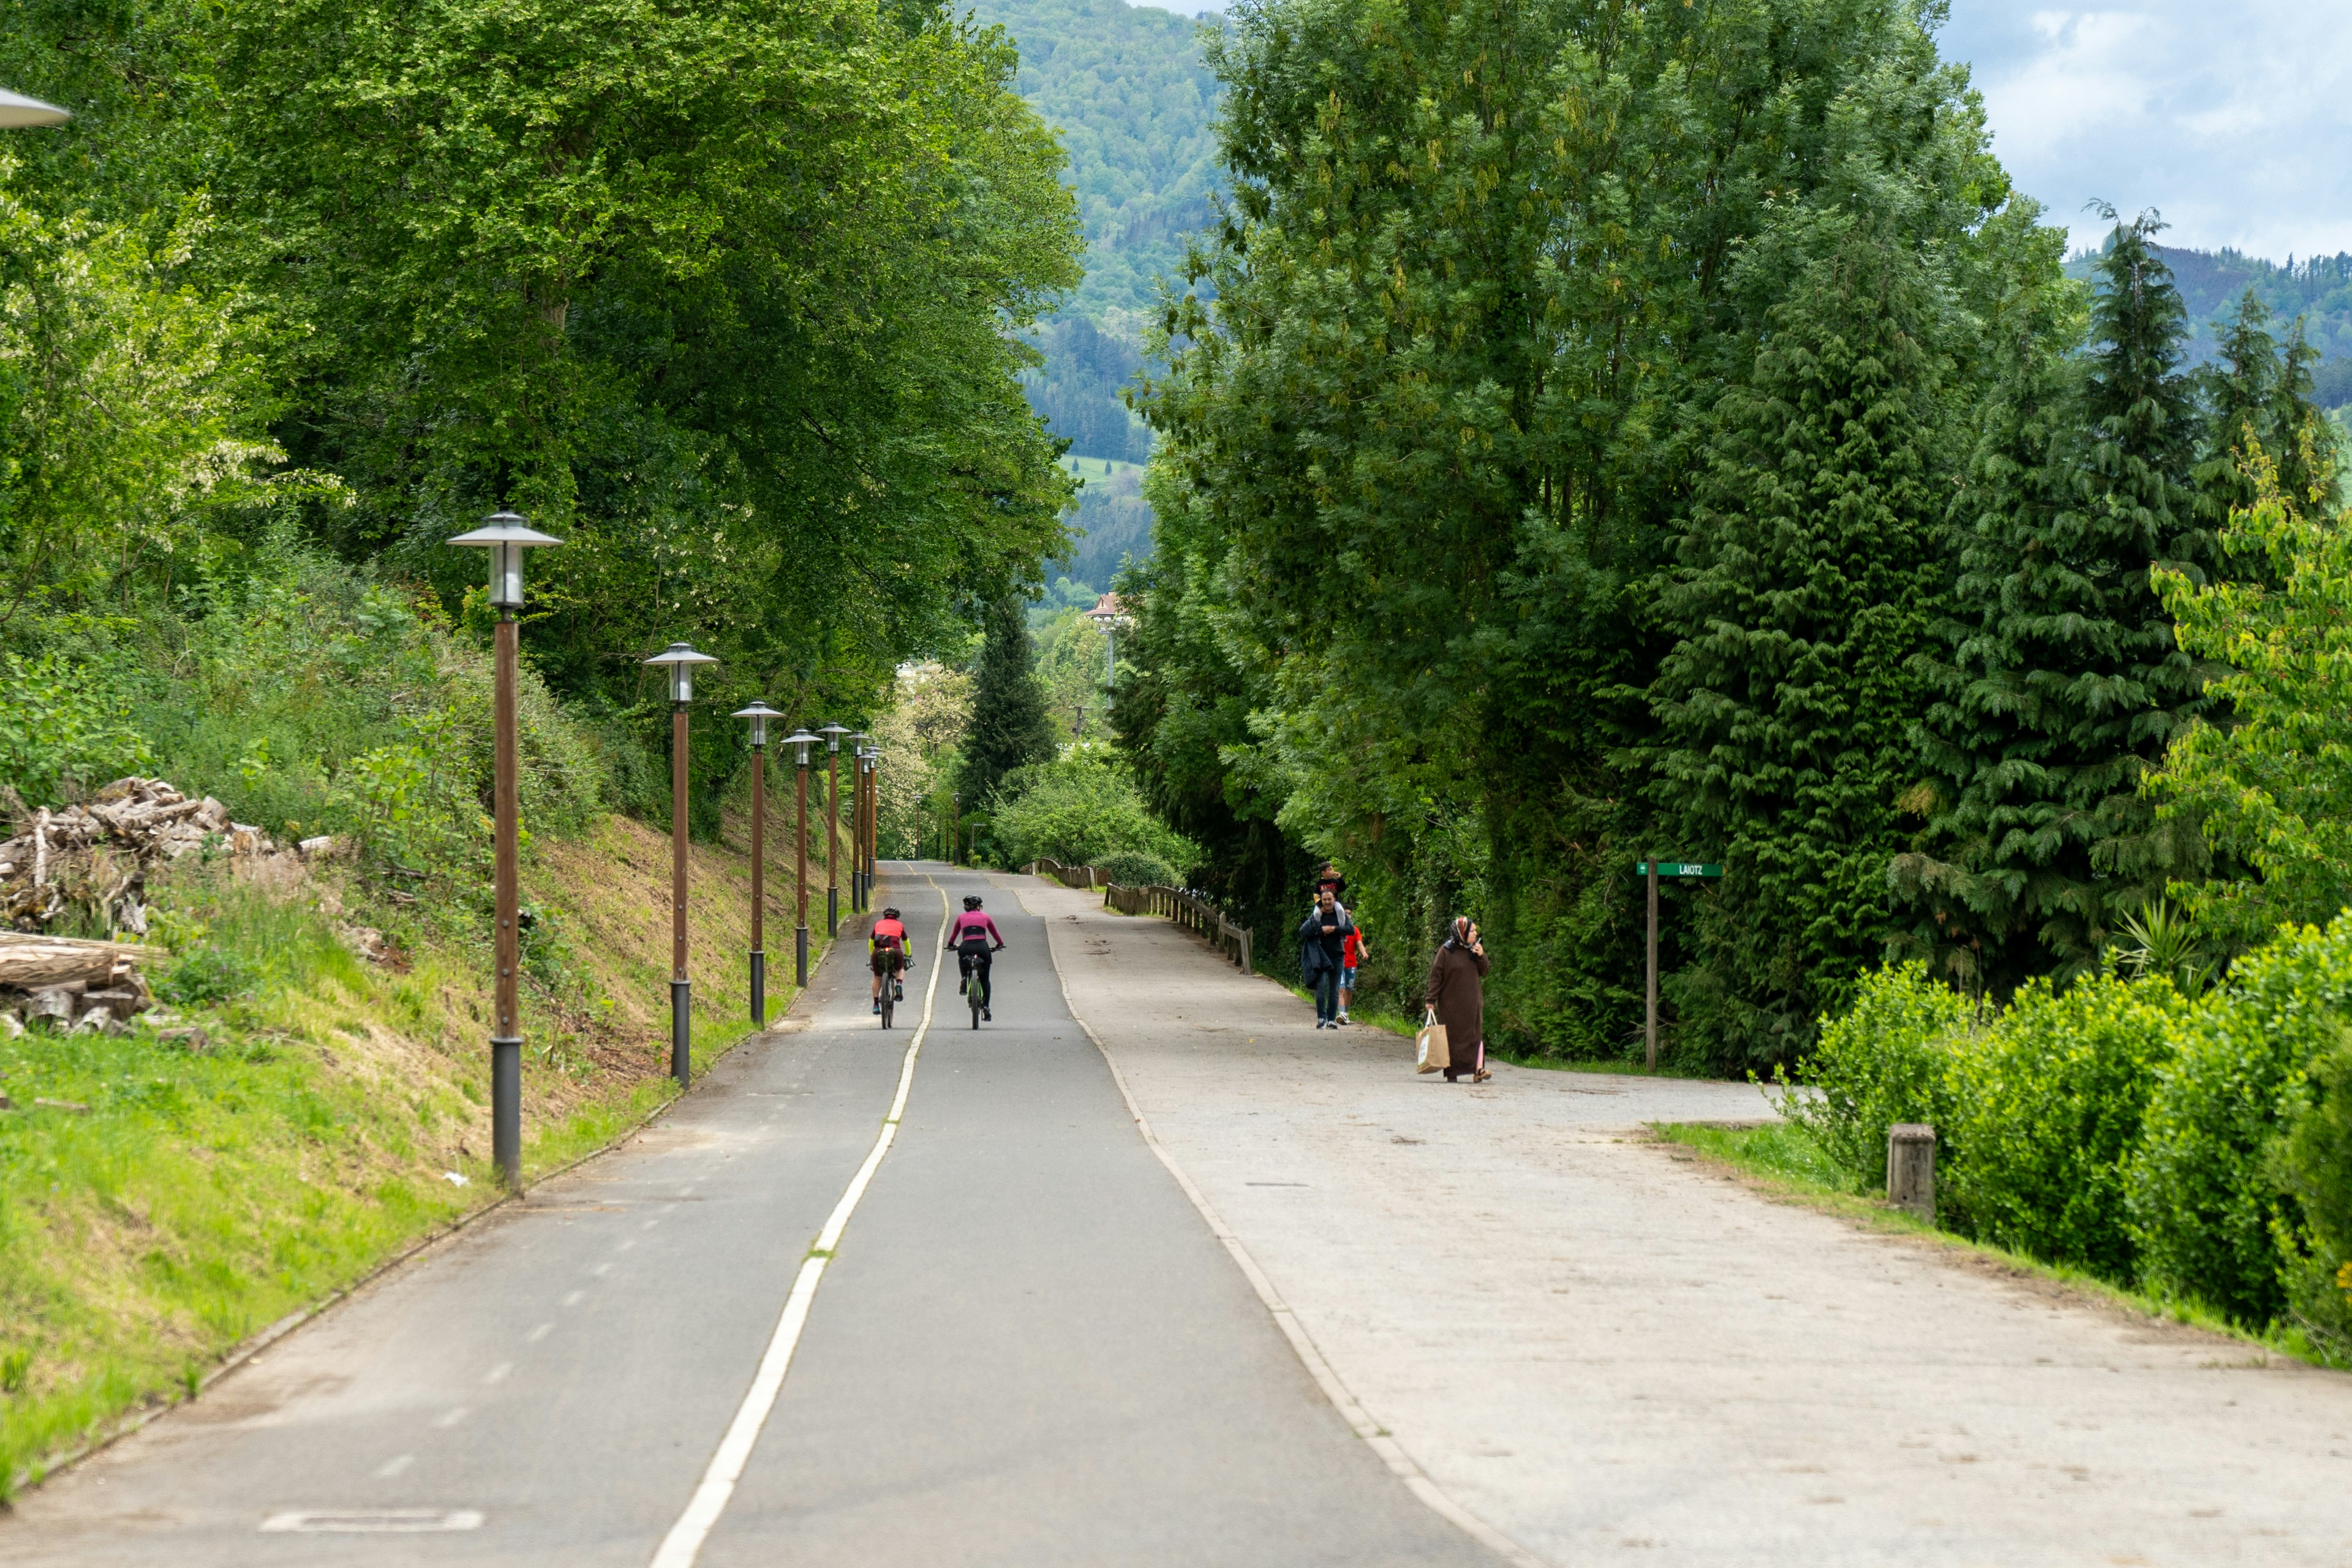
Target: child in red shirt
{"x":1351,"y":954}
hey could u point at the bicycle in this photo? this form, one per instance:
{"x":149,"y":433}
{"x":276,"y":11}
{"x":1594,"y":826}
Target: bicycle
{"x":890,"y":997}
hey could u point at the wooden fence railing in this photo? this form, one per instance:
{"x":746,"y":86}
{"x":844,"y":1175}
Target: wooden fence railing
{"x":1187,"y":910}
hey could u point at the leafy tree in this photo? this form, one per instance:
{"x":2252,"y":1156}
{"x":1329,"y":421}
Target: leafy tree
{"x":2268,"y":787}
{"x":1809,"y":573}
{"x":728,"y":310}
{"x":1071,"y":664}
{"x":2064,"y":683}
{"x":1010,"y":727}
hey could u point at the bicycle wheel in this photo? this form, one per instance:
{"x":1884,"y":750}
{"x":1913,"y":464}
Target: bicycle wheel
{"x":975,"y":1006}
{"x":888,"y":999}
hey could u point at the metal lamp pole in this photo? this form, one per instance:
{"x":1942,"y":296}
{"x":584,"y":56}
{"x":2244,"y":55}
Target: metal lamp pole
{"x":506,"y":537}
{"x":833,"y":734}
{"x":857,"y":823}
{"x":864,"y":855}
{"x":955,"y":826}
{"x":680,"y":660}
{"x":800,"y":740}
{"x":873,"y":816}
{"x":759,"y":713}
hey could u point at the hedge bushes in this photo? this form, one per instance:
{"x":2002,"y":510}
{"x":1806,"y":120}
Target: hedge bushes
{"x":2202,"y":1150}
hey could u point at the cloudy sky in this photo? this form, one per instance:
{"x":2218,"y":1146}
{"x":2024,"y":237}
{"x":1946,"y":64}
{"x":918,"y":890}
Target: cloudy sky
{"x":2232,"y":117}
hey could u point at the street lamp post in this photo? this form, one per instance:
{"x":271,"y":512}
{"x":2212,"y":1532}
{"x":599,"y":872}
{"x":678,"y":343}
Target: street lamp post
{"x":861,"y":857}
{"x":506,"y":537}
{"x":955,"y":826}
{"x":873,"y":816}
{"x":759,"y":713}
{"x":833,"y":734}
{"x":800,"y":740}
{"x":680,"y":660}
{"x":857,"y":823}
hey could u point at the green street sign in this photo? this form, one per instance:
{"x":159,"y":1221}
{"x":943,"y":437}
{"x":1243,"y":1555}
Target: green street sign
{"x":1677,"y":869}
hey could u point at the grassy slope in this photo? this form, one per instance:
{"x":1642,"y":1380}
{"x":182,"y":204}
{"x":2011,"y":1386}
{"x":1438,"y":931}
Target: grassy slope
{"x":202,"y":1198}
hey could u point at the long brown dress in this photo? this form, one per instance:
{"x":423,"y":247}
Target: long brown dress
{"x":1456,"y":991}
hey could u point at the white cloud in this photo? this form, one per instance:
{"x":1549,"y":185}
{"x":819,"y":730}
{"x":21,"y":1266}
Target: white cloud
{"x":2233,"y":116}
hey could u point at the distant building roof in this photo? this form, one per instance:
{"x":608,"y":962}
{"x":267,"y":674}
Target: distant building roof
{"x":1107,"y":606}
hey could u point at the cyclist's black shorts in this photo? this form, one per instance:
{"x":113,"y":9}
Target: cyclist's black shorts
{"x":890,"y":961}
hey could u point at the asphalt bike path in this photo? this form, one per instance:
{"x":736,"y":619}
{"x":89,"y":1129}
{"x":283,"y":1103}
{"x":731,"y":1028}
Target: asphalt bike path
{"x":1023,"y":1347}
{"x":547,"y":1386}
{"x":1030,"y":1350}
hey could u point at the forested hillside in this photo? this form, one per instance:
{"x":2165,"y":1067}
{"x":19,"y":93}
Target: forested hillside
{"x":2317,"y":289}
{"x":1128,"y":88}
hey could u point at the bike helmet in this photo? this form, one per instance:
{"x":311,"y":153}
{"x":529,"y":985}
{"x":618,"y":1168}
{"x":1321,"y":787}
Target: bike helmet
{"x":972,"y":900}
{"x":889,"y":914}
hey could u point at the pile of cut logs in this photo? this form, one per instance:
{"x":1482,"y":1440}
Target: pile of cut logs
{"x":78,"y":985}
{"x":98,"y":854}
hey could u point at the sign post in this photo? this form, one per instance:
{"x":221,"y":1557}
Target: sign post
{"x":1652,"y":870}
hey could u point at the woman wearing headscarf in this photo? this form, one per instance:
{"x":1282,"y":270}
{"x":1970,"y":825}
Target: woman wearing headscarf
{"x":1457,"y":995}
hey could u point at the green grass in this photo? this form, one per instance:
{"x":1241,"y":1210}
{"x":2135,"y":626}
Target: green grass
{"x":1785,"y":1160}
{"x":202,"y":1198}
{"x":1092,"y":468}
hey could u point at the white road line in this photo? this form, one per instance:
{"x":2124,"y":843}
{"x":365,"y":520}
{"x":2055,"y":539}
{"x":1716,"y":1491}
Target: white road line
{"x":684,"y":1542}
{"x":1401,"y":1464}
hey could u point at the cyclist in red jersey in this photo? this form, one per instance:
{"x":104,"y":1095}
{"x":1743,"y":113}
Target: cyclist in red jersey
{"x":886,"y":947}
{"x":974,"y":936}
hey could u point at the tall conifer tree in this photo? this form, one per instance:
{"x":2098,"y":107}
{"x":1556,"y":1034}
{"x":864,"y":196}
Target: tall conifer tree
{"x":1010,"y":726}
{"x":1809,"y":577}
{"x":2063,"y":683}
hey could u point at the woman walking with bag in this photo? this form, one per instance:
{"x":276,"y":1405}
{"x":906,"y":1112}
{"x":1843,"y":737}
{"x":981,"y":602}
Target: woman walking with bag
{"x":1457,"y":999}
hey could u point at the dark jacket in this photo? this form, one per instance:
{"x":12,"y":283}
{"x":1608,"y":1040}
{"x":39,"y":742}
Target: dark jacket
{"x":1319,"y":950}
{"x":1457,"y":991}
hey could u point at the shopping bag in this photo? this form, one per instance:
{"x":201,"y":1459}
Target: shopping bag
{"x":1430,"y":1049}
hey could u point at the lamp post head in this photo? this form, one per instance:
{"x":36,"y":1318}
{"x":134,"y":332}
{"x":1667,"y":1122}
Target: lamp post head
{"x":506,"y":536}
{"x":833,"y":734}
{"x":680,"y":659}
{"x":800,"y":740}
{"x":16,"y":110}
{"x":759,"y":713}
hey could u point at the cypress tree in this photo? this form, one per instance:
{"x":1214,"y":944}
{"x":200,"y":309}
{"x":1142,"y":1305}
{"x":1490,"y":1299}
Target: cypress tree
{"x":1010,"y":725}
{"x":1810,"y":571}
{"x":2240,"y":391}
{"x":2257,"y":393}
{"x":2063,"y":682}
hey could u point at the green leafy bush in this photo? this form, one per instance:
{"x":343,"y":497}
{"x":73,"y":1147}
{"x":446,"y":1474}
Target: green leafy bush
{"x":2204,"y":1205}
{"x":1137,"y":868}
{"x":1080,"y":808}
{"x":2045,"y":1107}
{"x":64,"y":726}
{"x":2312,"y":1163}
{"x":1881,"y":1062}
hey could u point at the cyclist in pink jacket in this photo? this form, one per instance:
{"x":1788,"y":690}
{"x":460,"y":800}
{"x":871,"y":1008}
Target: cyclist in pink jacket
{"x":973,"y":937}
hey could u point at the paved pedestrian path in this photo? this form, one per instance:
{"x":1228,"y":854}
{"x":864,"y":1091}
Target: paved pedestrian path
{"x":1610,"y":1354}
